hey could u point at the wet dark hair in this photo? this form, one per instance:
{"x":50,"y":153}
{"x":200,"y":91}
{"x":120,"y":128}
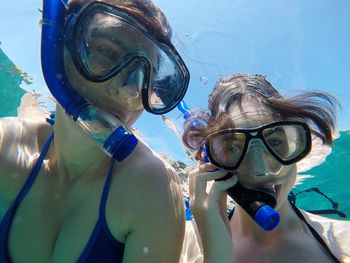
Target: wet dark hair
{"x":143,"y":11}
{"x":317,"y":109}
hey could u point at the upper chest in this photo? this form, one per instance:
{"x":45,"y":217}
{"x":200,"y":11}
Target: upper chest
{"x":55,"y":225}
{"x":294,"y":248}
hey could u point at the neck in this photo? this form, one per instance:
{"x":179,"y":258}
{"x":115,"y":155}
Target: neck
{"x":244,"y":226}
{"x":77,"y":155}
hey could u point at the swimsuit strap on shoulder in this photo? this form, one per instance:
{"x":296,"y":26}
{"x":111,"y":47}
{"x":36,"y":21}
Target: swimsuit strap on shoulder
{"x":314,"y":233}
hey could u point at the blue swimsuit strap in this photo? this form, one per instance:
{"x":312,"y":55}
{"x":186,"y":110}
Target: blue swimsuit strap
{"x":35,"y":171}
{"x":106,"y":191}
{"x":101,"y":223}
{"x":4,"y":231}
{"x":103,"y":203}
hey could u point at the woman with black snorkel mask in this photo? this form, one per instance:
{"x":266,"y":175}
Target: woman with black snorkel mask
{"x":254,"y":137}
{"x":65,"y":198}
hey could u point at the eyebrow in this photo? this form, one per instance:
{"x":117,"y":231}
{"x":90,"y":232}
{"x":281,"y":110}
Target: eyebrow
{"x":114,"y":41}
{"x":276,"y":129}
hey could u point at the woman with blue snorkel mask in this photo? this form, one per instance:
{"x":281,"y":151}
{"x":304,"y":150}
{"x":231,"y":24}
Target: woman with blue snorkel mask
{"x":254,"y":137}
{"x":86,"y":189}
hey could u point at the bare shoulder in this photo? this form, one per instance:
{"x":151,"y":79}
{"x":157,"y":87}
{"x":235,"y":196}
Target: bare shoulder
{"x":150,"y":185}
{"x":336,"y":234}
{"x":149,"y":167}
{"x":155,"y":208}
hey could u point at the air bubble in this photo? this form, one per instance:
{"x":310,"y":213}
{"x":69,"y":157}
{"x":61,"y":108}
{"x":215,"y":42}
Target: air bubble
{"x":204,"y":80}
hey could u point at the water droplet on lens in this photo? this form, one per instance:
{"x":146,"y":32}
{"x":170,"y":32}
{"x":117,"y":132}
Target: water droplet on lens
{"x":59,"y":76}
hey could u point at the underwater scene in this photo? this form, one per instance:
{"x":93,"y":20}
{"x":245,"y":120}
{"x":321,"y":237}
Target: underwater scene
{"x":217,"y":38}
{"x":323,"y":189}
{"x":260,"y":74}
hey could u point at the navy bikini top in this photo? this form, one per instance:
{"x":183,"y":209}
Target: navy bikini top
{"x":101,"y":247}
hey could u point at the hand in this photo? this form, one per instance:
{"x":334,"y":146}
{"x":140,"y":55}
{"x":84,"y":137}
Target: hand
{"x":209,"y":210}
{"x":203,"y":202}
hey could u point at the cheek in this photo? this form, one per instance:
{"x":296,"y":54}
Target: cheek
{"x":121,"y":99}
{"x":84,"y":88}
{"x":290,"y":176}
{"x":287,"y":184}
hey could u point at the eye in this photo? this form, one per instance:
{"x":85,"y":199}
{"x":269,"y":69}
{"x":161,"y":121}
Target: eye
{"x":274,"y":142}
{"x":233,"y":148}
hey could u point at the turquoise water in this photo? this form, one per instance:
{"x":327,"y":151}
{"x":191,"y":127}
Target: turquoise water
{"x":331,"y":177}
{"x":10,"y":92}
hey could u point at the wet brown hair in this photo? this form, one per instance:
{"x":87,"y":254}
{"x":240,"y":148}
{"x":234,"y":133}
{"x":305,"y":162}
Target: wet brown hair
{"x":143,"y":11}
{"x":317,"y":109}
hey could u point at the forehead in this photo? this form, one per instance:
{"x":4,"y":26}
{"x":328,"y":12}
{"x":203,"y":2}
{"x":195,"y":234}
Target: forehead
{"x":252,"y":114}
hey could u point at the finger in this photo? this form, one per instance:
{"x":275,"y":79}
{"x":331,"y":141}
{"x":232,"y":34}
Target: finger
{"x":198,"y":182}
{"x":206,"y":167}
{"x":202,"y":180}
{"x":219,"y":187}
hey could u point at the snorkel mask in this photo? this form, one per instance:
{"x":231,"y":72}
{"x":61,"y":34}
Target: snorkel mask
{"x":258,"y":204}
{"x":162,"y":87}
{"x":104,"y":41}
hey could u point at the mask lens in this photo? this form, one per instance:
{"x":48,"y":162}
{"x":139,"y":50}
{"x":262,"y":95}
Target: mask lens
{"x":99,"y":43}
{"x":167,"y":86}
{"x":286,"y":141}
{"x":226,"y":149}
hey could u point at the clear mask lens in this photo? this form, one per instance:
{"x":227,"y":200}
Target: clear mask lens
{"x":167,"y":84}
{"x":227,"y":148}
{"x":286,"y":141}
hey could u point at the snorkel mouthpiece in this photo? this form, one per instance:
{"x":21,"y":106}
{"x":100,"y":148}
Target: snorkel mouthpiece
{"x":106,"y":129}
{"x":257,"y":203}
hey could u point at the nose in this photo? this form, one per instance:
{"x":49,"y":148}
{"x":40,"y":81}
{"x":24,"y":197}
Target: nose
{"x":258,"y":161}
{"x":134,"y":82}
{"x":131,"y":90}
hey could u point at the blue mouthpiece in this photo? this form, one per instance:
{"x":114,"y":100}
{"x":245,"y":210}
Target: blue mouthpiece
{"x":267,"y":217}
{"x":182,"y":106}
{"x":206,"y":158}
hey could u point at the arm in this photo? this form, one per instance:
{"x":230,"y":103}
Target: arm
{"x":156,"y":233}
{"x":208,"y":210}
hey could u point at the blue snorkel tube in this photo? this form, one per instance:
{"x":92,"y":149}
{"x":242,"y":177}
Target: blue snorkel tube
{"x":104,"y":128}
{"x":258,"y":204}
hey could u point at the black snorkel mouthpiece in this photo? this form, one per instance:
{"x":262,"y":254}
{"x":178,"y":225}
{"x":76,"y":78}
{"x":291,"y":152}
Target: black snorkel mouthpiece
{"x":259,"y":204}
